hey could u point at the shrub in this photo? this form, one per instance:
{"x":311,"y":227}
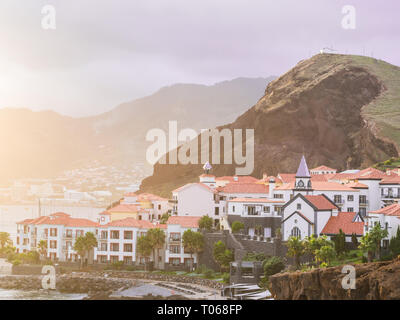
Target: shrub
{"x":209,"y":274}
{"x":48,"y":262}
{"x":273,"y":265}
{"x":201,"y":269}
{"x":237,"y":226}
{"x":255,"y":256}
{"x":264,"y":282}
{"x":16,"y":262}
{"x":226,"y":277}
{"x":118,"y":265}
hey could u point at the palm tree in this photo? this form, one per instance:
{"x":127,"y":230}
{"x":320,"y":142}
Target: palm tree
{"x":143,"y":247}
{"x":83,"y":245}
{"x":42,"y":248}
{"x":193,"y":242}
{"x":5,"y":240}
{"x":157,"y":240}
{"x":295,"y":249}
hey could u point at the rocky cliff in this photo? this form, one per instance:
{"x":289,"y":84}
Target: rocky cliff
{"x":374,"y":281}
{"x":334,"y":108}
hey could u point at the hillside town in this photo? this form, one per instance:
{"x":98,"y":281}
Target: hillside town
{"x":270,"y":209}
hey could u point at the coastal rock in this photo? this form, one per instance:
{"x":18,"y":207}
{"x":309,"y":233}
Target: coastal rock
{"x":374,"y":281}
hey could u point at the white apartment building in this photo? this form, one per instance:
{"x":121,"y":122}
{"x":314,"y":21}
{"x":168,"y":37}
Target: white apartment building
{"x":59,"y":231}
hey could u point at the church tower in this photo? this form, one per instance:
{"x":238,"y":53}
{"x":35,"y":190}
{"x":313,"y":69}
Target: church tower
{"x":303,"y":177}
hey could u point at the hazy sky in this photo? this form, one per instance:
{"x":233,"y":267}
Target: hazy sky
{"x":103,"y":53}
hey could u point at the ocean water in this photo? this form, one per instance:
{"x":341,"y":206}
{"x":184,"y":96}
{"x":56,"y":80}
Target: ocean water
{"x":38,"y":295}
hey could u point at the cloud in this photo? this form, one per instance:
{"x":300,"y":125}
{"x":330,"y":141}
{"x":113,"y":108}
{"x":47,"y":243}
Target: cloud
{"x":106,"y":52}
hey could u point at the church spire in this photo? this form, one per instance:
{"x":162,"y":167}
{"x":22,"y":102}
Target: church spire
{"x":303,"y":171}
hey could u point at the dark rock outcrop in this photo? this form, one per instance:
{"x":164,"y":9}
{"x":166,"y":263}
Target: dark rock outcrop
{"x":374,"y":281}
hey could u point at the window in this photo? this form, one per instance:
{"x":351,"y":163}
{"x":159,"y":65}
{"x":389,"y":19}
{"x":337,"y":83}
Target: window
{"x":128,"y":247}
{"x":53,"y":244}
{"x":251,"y":211}
{"x":114,"y":234}
{"x":278,"y":209}
{"x":128,"y":235}
{"x":216,"y":211}
{"x":114,"y":247}
{"x":104,"y":235}
{"x":159,"y":207}
{"x":175,"y":261}
{"x":53,"y":232}
{"x":102,"y":259}
{"x":363,"y":212}
{"x":175,"y":249}
{"x":278,"y":196}
{"x":103,"y":246}
{"x":350,"y":209}
{"x":363,"y":199}
{"x":128,"y":260}
{"x":267,"y":209}
{"x":295,"y":232}
{"x":175,"y":236}
{"x":337,"y":199}
{"x":350,"y":197}
{"x":113,"y":259}
{"x":299,"y":206}
{"x":233,"y":208}
{"x":68,"y":233}
{"x":79,"y":233}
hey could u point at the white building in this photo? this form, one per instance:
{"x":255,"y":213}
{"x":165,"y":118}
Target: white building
{"x":59,"y":231}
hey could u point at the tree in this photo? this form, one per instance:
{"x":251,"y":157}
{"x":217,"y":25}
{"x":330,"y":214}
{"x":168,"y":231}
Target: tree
{"x":325,"y":254}
{"x":273,"y":265}
{"x":340,"y":242}
{"x":370,"y":243}
{"x":143,"y":246}
{"x":193,"y":242}
{"x":156,"y":239}
{"x":354,"y":240}
{"x":394,"y":244}
{"x":84,"y":244}
{"x":296,"y":249}
{"x":42,"y":248}
{"x":206,"y":223}
{"x":5,"y":240}
{"x":222,"y":256}
{"x":237,"y":226}
{"x":164,"y":218}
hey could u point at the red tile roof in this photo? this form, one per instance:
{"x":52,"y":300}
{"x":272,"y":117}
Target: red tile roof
{"x":134,"y":223}
{"x":193,"y":184}
{"x":263,"y":200}
{"x":60,"y":218}
{"x":344,"y":221}
{"x":370,"y":173}
{"x":185,"y":221}
{"x":287,"y":177}
{"x":321,"y":202}
{"x":320,"y":186}
{"x":129,"y":208}
{"x":392,"y":210}
{"x":391,"y":180}
{"x":236,"y":187}
{"x":323,"y":168}
{"x":357,"y":185}
{"x":240,"y":179}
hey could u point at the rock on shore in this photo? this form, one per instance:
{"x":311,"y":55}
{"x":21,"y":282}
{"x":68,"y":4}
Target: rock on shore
{"x":374,"y":281}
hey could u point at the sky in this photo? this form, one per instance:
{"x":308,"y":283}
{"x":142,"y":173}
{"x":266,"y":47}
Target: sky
{"x":103,"y":53}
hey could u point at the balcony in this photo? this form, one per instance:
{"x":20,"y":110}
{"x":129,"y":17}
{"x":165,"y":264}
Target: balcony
{"x":174,"y":239}
{"x":390,"y":196}
{"x":363,"y":203}
{"x":173,"y":201}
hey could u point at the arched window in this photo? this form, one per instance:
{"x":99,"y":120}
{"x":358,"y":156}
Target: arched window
{"x":309,"y":184}
{"x":295,"y":232}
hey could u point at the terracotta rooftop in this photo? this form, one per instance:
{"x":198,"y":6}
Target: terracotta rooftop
{"x":185,"y":221}
{"x":134,"y":223}
{"x":263,"y":200}
{"x":194,"y":184}
{"x":321,"y":202}
{"x":244,"y":188}
{"x":60,"y":218}
{"x":323,"y":168}
{"x":392,"y":210}
{"x":344,"y":221}
{"x":320,"y":186}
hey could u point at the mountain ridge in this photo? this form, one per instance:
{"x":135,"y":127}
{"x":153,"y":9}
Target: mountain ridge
{"x":321,"y":107}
